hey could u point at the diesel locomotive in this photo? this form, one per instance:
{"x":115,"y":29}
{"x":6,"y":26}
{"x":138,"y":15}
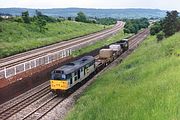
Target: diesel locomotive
{"x":67,"y":76}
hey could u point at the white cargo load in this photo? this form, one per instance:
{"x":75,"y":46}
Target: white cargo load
{"x":115,"y":47}
{"x":105,"y":53}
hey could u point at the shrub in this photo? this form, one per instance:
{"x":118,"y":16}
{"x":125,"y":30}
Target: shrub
{"x":160,"y":36}
{"x":18,"y":19}
{"x":156,"y":28}
{"x":69,"y":18}
{"x":1,"y":29}
{"x":1,"y":19}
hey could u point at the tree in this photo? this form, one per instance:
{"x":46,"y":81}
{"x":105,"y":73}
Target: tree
{"x":41,"y":23}
{"x":170,"y":23}
{"x":69,"y":18}
{"x":105,"y":21}
{"x":25,"y":17}
{"x":134,"y":25}
{"x":156,"y":28}
{"x":81,"y":17}
{"x":38,"y":13}
{"x":178,"y":24}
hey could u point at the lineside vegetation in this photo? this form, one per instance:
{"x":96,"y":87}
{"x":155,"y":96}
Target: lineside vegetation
{"x":18,"y":37}
{"x":22,"y":33}
{"x":166,"y":27}
{"x":145,"y":86}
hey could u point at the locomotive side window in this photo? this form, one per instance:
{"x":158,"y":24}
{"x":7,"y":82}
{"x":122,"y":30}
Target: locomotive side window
{"x":57,"y":71}
{"x":75,"y":76}
{"x":70,"y":81}
{"x":63,"y":76}
{"x":69,"y":76}
{"x":79,"y":71}
{"x":85,"y":70}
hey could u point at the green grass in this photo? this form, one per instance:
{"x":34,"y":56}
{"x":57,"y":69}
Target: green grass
{"x":120,"y":35}
{"x":146,"y":86}
{"x":18,"y":37}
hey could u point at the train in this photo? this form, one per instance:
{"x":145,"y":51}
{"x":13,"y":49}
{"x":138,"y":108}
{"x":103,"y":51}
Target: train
{"x":66,"y":77}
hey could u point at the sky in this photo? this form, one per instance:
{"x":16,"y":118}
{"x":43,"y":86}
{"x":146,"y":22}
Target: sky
{"x":112,"y":4}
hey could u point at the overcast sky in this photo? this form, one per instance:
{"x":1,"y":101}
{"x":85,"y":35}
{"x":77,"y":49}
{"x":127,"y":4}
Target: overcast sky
{"x":160,"y":4}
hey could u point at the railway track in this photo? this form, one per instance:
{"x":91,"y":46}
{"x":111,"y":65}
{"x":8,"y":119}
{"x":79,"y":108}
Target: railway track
{"x":138,"y":39}
{"x":39,"y":101}
{"x":14,"y":106}
{"x":23,"y":57}
{"x":44,"y":108}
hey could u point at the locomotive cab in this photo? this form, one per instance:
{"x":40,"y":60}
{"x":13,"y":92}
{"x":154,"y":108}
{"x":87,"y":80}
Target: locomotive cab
{"x":59,"y":80}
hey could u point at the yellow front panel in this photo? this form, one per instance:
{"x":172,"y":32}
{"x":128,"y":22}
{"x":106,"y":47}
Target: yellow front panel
{"x":59,"y":85}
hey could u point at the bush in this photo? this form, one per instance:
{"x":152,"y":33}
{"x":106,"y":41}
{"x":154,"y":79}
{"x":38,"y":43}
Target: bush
{"x":1,"y":29}
{"x":69,"y":18}
{"x":1,"y":19}
{"x":156,"y":28}
{"x":160,"y":36}
{"x":126,"y":31}
{"x":18,"y":19}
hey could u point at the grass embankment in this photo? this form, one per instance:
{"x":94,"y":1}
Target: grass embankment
{"x":120,"y":35}
{"x":19,"y":37}
{"x":146,"y":86}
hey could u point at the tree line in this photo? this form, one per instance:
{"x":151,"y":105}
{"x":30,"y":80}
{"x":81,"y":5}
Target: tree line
{"x":134,"y":25}
{"x":39,"y":20}
{"x":167,"y":26}
{"x":81,"y":17}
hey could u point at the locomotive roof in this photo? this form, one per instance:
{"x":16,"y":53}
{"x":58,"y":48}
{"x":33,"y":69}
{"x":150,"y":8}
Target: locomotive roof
{"x":75,"y":65}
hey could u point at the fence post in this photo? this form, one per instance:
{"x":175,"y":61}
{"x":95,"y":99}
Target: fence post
{"x":29,"y":64}
{"x":35,"y":62}
{"x":24,"y":67}
{"x":15,"y":70}
{"x":5,"y":74}
{"x":48,"y":59}
{"x":70,"y":51}
{"x":64,"y":53}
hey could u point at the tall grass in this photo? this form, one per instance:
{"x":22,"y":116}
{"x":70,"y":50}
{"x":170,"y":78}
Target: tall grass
{"x":18,"y":37}
{"x":146,"y":86}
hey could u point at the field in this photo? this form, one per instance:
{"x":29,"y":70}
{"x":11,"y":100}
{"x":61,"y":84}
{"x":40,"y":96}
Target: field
{"x":146,"y":86}
{"x":19,"y":37}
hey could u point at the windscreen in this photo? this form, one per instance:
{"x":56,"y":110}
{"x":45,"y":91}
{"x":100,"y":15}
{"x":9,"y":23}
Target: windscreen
{"x":57,"y":75}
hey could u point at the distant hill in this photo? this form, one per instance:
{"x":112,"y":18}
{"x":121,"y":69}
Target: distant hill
{"x":114,"y":13}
